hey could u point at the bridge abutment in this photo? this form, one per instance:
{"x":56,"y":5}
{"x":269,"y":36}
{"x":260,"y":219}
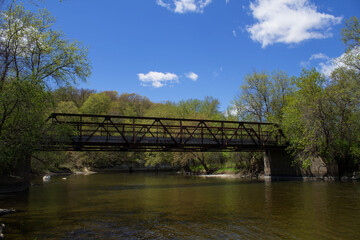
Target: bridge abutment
{"x":277,"y":163}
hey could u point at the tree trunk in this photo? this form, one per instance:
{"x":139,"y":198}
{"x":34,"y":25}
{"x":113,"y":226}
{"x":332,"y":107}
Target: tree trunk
{"x":202,"y":161}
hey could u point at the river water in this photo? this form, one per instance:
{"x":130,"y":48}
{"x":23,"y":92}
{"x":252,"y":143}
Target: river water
{"x":165,"y":206}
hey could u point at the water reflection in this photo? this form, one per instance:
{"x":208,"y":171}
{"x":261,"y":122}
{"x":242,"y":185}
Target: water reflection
{"x":150,"y":206}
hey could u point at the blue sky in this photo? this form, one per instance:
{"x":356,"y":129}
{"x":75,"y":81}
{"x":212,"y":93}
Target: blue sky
{"x":181,"y":49}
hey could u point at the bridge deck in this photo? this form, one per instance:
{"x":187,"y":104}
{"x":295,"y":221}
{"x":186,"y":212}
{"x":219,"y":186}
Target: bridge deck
{"x":119,"y":133}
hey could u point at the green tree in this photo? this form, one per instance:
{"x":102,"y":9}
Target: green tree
{"x":132,"y":105}
{"x":33,"y":56}
{"x":71,"y":94}
{"x":262,"y":97}
{"x":344,"y":96}
{"x":66,"y":107}
{"x":351,"y":38}
{"x":307,"y":117}
{"x":165,"y":110}
{"x":97,"y":103}
{"x":195,"y":108}
{"x":351,"y":33}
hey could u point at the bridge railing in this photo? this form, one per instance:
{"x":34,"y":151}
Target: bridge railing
{"x":121,"y":133}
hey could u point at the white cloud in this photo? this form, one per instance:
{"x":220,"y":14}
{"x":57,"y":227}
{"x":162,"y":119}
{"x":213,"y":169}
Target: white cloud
{"x":323,"y":63}
{"x":184,"y":6}
{"x":327,"y":67}
{"x":234,"y":33}
{"x":193,"y":76}
{"x":227,"y":1}
{"x":157,"y":79}
{"x":319,"y":56}
{"x":288,"y":21}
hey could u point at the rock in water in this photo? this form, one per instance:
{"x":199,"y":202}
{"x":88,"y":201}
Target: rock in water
{"x":46,"y":178}
{"x":2,"y":228}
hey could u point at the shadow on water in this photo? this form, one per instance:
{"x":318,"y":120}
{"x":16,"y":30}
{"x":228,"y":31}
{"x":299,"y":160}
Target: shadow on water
{"x":187,"y":185}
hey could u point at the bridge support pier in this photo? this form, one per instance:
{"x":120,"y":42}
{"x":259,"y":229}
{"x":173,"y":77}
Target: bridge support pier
{"x":277,"y":163}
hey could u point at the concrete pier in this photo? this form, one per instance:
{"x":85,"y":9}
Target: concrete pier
{"x":278,"y":163}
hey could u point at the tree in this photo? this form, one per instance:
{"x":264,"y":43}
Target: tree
{"x":351,"y":33}
{"x":31,"y":49}
{"x":132,"y":105}
{"x":97,"y":103}
{"x":306,"y":117}
{"x":351,"y":38}
{"x":66,"y":107}
{"x":195,"y":108}
{"x":321,"y":116}
{"x":33,"y":56}
{"x":262,"y":96}
{"x":344,"y":96}
{"x":72,"y":94}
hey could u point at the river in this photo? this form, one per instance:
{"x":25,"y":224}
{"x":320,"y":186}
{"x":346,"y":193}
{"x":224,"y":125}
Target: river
{"x":168,"y":206}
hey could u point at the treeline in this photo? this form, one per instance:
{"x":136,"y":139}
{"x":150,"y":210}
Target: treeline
{"x":318,"y":114}
{"x":72,"y":100}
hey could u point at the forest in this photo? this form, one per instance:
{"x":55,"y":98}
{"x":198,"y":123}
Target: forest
{"x":40,"y":70}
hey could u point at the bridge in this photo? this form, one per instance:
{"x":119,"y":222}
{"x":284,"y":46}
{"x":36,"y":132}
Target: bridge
{"x":120,"y":133}
{"x":84,"y":132}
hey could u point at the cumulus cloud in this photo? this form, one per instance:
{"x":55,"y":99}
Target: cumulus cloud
{"x":288,"y":21}
{"x":157,"y":79}
{"x":193,"y":76}
{"x":184,"y":6}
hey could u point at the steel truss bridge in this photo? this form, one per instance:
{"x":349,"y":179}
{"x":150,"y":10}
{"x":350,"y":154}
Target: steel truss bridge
{"x":119,"y":133}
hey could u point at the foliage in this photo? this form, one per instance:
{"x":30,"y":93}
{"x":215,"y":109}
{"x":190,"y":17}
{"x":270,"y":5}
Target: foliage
{"x":97,"y":103}
{"x":33,"y":57}
{"x":351,"y":33}
{"x":305,"y":114}
{"x":71,"y":94}
{"x":321,"y":118}
{"x":22,"y":102}
{"x":262,"y":96}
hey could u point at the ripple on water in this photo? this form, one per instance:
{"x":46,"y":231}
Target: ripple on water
{"x":143,"y":206}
